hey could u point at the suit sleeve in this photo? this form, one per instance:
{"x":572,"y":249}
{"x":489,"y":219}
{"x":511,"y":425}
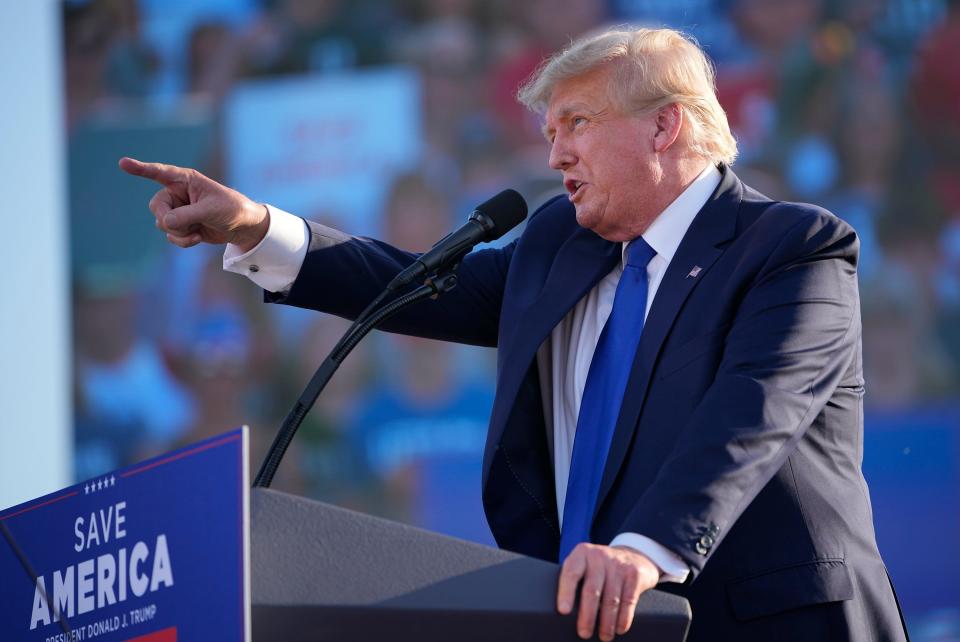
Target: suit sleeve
{"x":793,"y":337}
{"x":341,"y":274}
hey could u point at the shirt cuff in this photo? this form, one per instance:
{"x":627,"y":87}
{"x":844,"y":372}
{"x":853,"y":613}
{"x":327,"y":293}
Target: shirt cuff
{"x":275,"y":262}
{"x":672,"y":567}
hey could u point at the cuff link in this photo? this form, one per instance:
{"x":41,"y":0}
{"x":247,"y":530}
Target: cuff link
{"x":707,"y":540}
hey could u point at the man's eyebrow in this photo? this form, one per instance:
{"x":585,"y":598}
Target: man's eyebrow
{"x":563,"y":113}
{"x":566,"y":110}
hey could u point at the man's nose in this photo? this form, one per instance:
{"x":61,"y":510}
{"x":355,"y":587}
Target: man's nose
{"x":560,"y":156}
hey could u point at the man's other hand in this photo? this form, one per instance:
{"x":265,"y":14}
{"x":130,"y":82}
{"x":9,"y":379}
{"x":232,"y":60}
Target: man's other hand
{"x":613,"y":579}
{"x":192,"y":208}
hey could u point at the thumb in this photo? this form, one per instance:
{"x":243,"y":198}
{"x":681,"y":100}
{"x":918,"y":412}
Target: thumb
{"x":184,"y":217}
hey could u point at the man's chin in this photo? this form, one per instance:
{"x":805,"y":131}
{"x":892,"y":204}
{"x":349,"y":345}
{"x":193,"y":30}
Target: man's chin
{"x":586,"y":218}
{"x":593,"y":222}
{"x":614,"y":235}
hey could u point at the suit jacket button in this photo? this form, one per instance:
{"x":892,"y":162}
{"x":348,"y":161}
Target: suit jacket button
{"x":713,"y":530}
{"x":707,"y":541}
{"x":700,"y":548}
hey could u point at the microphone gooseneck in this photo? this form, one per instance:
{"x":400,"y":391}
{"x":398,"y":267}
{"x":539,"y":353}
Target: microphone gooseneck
{"x":491,"y":220}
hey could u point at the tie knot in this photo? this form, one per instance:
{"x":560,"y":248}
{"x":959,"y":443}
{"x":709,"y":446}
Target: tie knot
{"x":639,"y":253}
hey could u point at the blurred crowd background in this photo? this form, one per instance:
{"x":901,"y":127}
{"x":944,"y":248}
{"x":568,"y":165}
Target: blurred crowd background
{"x":394,"y":119}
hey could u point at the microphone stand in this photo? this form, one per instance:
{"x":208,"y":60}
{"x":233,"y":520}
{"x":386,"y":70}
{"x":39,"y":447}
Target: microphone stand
{"x":372,"y":316}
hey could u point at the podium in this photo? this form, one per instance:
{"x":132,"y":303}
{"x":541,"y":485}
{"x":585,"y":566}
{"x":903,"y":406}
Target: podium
{"x":179,"y":547}
{"x":322,"y":573}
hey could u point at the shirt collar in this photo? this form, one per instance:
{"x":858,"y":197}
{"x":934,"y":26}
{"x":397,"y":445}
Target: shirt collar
{"x":668,"y":229}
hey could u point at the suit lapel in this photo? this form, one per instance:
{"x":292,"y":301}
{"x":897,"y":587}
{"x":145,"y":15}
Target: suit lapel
{"x":578,"y":265}
{"x":713,"y":225}
{"x":581,"y":262}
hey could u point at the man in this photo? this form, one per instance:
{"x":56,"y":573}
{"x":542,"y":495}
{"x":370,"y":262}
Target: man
{"x":679,"y":381}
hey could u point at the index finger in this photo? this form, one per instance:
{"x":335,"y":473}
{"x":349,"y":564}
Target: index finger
{"x":573,"y":569}
{"x":159,"y":172}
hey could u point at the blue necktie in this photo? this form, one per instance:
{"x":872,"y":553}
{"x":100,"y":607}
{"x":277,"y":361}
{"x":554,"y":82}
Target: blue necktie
{"x":603,"y":395}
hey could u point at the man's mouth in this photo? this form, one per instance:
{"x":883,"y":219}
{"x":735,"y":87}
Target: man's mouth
{"x":574,"y":188}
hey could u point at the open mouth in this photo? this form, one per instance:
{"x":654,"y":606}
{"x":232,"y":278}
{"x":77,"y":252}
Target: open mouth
{"x":574,"y":188}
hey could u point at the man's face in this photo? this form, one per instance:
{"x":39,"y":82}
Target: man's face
{"x":606,"y":157}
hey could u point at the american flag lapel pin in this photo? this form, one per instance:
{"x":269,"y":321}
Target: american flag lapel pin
{"x":694,"y":272}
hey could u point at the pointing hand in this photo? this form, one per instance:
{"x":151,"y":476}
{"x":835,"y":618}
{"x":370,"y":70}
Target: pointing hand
{"x":192,"y":208}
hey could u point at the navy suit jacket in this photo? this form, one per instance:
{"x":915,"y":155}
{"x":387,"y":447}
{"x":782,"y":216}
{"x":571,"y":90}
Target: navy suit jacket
{"x":739,"y":440}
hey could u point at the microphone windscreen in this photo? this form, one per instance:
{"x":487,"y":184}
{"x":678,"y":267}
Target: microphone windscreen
{"x":507,"y":209}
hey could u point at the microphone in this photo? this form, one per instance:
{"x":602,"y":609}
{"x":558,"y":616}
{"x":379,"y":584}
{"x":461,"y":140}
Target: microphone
{"x":489,"y":221}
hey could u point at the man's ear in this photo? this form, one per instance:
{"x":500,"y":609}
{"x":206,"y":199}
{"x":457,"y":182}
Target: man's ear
{"x":669,"y":122}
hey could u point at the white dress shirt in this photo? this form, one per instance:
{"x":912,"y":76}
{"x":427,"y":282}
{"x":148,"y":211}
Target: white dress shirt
{"x":563,"y":359}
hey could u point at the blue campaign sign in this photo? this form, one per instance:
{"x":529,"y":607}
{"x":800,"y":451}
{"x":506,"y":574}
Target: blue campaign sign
{"x":155,"y":552}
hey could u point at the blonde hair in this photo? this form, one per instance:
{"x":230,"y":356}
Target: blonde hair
{"x":652,"y":68}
